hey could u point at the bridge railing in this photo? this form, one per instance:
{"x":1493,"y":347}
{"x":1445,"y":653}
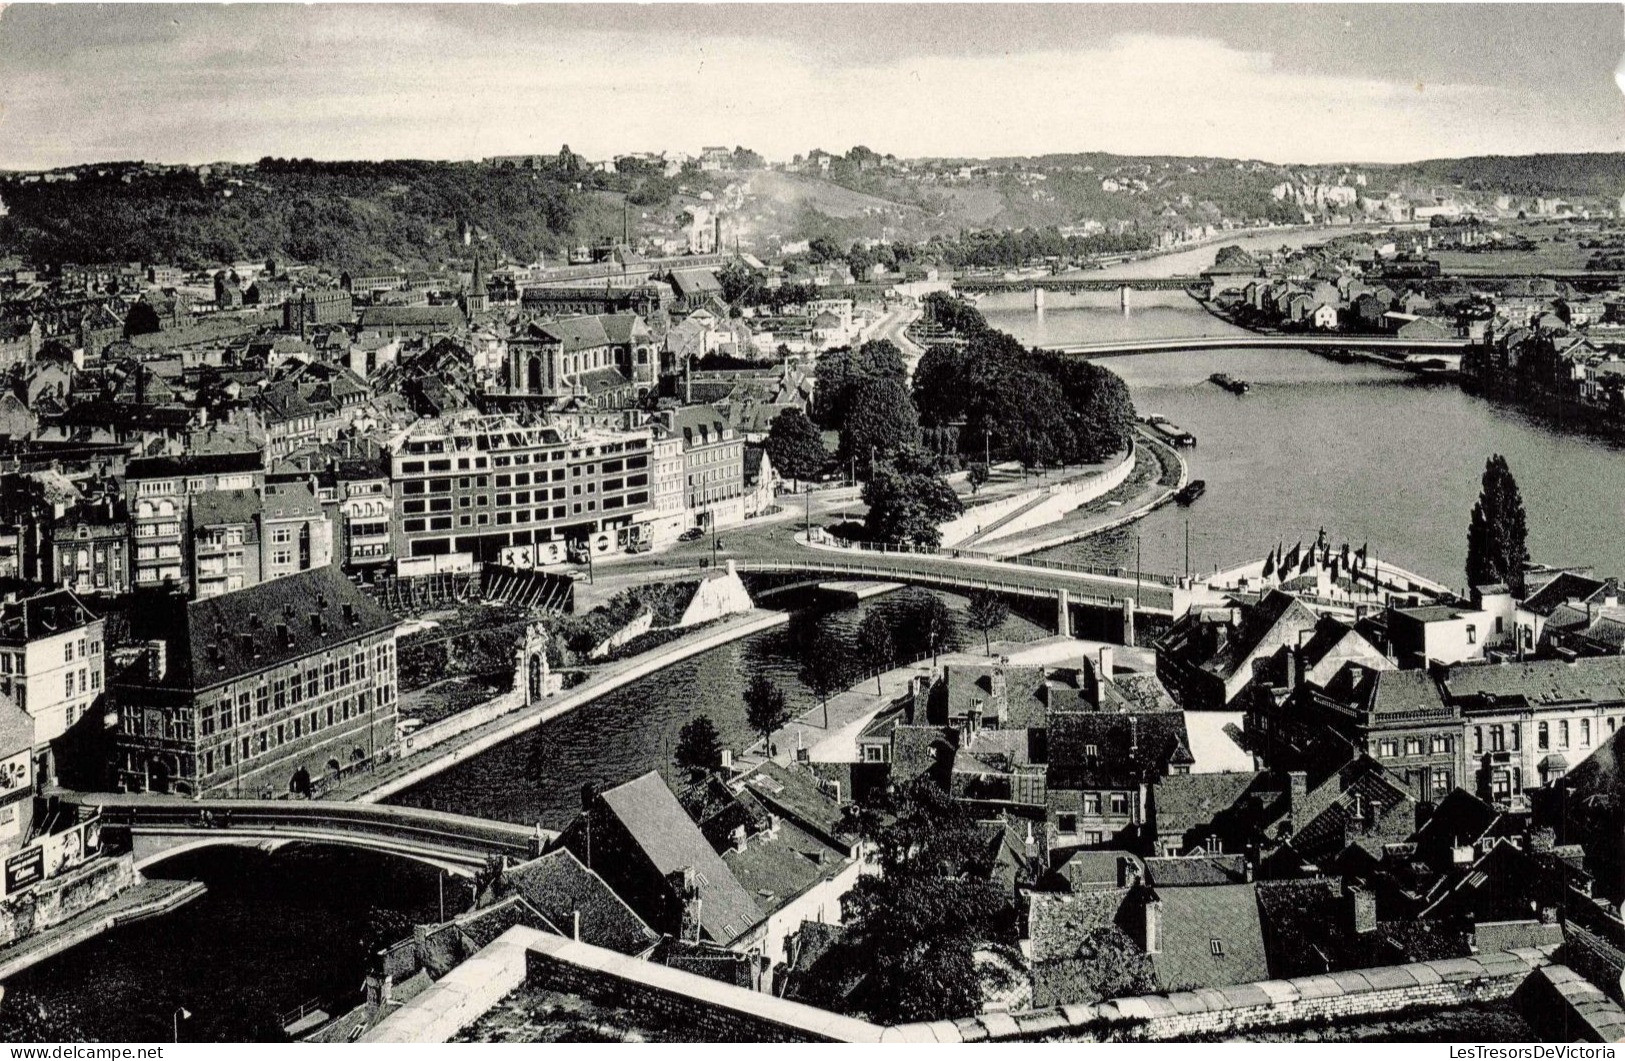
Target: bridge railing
{"x":965,"y":578}
{"x":951,"y":553}
{"x":435,"y":828}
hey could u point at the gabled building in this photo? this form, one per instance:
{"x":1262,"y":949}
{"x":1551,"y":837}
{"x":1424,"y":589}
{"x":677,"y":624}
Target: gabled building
{"x":53,"y":668}
{"x":1209,"y":656}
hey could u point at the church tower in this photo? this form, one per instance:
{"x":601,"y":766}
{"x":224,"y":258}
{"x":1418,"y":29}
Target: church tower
{"x":476,"y":300}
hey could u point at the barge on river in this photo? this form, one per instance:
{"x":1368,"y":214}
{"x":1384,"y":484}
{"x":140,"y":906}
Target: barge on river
{"x":1192,"y":490}
{"x":1170,"y":433}
{"x":1230,"y":383}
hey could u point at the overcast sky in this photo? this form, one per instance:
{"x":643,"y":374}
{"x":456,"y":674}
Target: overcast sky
{"x":1377,"y":83}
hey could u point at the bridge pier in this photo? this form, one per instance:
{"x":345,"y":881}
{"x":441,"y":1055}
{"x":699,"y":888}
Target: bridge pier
{"x":1124,"y":297}
{"x":1128,"y":620}
{"x":1063,"y":613}
{"x":1038,"y":298}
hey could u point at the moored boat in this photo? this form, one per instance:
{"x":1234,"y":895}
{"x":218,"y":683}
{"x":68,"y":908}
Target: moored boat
{"x":1192,"y":490}
{"x":1230,"y":383}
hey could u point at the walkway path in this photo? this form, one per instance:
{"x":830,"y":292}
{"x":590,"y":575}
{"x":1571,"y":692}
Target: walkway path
{"x":147,"y":899}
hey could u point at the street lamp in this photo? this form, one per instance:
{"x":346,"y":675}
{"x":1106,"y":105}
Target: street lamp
{"x":181,"y":1013}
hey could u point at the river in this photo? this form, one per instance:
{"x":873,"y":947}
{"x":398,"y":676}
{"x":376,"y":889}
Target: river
{"x":1370,"y":453}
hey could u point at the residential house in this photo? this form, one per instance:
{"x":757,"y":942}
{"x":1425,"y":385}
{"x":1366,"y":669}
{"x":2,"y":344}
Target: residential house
{"x":53,"y":667}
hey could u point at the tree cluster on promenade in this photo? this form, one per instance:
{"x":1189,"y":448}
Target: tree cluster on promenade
{"x":908,"y":499}
{"x":1039,"y":408}
{"x":796,"y":446}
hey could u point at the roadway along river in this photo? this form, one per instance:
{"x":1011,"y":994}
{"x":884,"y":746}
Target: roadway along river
{"x":1370,"y":453}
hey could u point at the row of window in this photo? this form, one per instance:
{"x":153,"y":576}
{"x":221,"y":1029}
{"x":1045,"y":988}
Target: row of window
{"x":1389,"y":748}
{"x":273,"y":737}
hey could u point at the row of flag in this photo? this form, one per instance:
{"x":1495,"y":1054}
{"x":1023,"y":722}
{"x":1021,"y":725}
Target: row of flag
{"x":1284,"y":563}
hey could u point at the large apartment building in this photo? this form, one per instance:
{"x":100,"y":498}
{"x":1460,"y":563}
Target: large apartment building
{"x":52,"y":666}
{"x":158,"y":490}
{"x":500,"y":490}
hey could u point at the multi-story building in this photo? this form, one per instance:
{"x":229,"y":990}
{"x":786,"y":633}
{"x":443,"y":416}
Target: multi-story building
{"x":713,"y":465}
{"x":52,"y":666}
{"x":90,"y":549}
{"x":226,"y":546}
{"x":1526,"y":723}
{"x":365,"y":507}
{"x":504,"y":491}
{"x":281,"y":687}
{"x":316,"y":306}
{"x":157,"y":489}
{"x":298,"y":535}
{"x":16,"y":776}
{"x":670,"y":516}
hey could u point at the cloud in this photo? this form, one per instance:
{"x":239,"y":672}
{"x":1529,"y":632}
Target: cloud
{"x":383,"y":81}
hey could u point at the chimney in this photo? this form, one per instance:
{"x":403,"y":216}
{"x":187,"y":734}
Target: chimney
{"x":349,"y":614}
{"x":1128,"y":872}
{"x":1297,"y":798}
{"x":575,"y":924}
{"x":1362,"y":910}
{"x":1541,"y":841}
{"x":1291,"y":668}
{"x":727,"y":759}
{"x":737,"y":838}
{"x":1152,"y":944}
{"x":157,"y":660}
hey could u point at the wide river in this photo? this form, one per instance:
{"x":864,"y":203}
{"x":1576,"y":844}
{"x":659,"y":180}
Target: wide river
{"x":1369,"y":453}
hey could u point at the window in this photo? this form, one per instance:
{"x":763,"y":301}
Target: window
{"x":1215,"y":947}
{"x":1472,"y":634}
{"x":1066,"y":823}
{"x":1441,"y":782}
{"x":1585,"y":733}
{"x":1119,"y":801}
{"x":1563,"y":734}
{"x":67,"y":652}
{"x":1388,"y":748}
{"x":1091,"y":803}
{"x":872,"y":753}
{"x":1497,"y":738}
{"x":67,"y":685}
{"x":1091,"y":751}
{"x":1543,"y":736}
{"x":1413,"y":745}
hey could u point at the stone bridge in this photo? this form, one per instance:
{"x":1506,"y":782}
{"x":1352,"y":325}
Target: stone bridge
{"x":161,"y":827}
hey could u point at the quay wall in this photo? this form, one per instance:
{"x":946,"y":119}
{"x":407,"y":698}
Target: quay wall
{"x":1049,"y":503}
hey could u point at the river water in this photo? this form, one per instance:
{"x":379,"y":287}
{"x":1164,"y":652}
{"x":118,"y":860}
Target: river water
{"x":1371,"y":454}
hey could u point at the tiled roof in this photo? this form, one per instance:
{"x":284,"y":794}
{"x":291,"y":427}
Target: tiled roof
{"x":1182,"y":802}
{"x":1057,"y":924}
{"x":968,"y":686}
{"x":290,"y":501}
{"x":1187,"y":870}
{"x":447,"y":316}
{"x":1196,"y":923}
{"x":558,"y":887}
{"x":777,"y":866}
{"x":219,"y":639}
{"x":623,"y":328}
{"x":574,"y":333}
{"x":1561,"y":589}
{"x":44,"y":615}
{"x":672,"y":842}
{"x":194,"y":464}
{"x":217,"y":508}
{"x":1598,"y":679}
{"x":1128,"y":748}
{"x":797,"y":794}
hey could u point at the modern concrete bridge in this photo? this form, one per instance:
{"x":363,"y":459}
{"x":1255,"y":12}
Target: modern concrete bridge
{"x":1244,"y":341}
{"x":991,"y":285}
{"x":161,"y":827}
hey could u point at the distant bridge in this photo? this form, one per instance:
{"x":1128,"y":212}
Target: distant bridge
{"x":991,"y":285}
{"x":1247,"y":341}
{"x":161,"y":827}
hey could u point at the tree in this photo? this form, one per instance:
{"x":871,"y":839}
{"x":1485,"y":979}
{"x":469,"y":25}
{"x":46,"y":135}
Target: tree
{"x":908,"y":500}
{"x":876,"y":644}
{"x":987,"y":613}
{"x":928,"y":620}
{"x":977,"y":476}
{"x":824,"y":668}
{"x":699,"y":746}
{"x":938,"y":385}
{"x":1498,"y":531}
{"x":880,"y":419}
{"x":765,"y":708}
{"x":795,"y":446}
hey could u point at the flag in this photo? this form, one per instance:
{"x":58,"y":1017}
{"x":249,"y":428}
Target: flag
{"x":1290,"y":562}
{"x":1308,"y":562}
{"x":1269,"y":566}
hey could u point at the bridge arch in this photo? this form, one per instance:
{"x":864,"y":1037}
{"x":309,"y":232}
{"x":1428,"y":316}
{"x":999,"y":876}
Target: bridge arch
{"x":151,"y":850}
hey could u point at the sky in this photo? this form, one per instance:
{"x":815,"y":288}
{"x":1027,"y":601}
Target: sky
{"x":1283,"y":83}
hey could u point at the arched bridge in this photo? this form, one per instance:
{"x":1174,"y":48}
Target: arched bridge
{"x":942,"y":569}
{"x":1241,"y":341}
{"x":161,"y":827}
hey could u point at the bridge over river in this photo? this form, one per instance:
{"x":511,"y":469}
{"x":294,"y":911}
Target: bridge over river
{"x":987,"y":285}
{"x":161,"y":827}
{"x":1249,"y":341}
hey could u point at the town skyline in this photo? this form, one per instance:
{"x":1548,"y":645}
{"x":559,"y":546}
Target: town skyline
{"x":1325,"y":85}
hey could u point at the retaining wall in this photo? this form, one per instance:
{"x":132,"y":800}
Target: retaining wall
{"x":463,"y":995}
{"x":1064,"y":499}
